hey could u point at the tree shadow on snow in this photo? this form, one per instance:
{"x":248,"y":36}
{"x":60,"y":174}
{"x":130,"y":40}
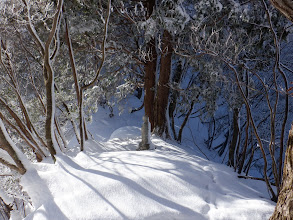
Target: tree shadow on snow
{"x":47,"y":208}
{"x":188,"y":213}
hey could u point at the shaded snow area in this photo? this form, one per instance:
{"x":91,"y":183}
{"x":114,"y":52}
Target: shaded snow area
{"x":110,"y":180}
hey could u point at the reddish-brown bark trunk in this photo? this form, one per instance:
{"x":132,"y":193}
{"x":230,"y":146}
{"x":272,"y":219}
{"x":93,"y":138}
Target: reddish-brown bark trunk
{"x":150,"y":71}
{"x":163,"y":86}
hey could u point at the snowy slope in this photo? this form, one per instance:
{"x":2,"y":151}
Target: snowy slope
{"x":110,"y":180}
{"x":166,"y":183}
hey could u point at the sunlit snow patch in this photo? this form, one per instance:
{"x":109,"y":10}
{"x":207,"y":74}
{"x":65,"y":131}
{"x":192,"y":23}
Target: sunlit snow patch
{"x":167,"y":183}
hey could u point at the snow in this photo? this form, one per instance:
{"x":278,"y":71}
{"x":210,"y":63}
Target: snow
{"x":19,"y":154}
{"x":111,"y":180}
{"x":7,"y":199}
{"x":127,"y":132}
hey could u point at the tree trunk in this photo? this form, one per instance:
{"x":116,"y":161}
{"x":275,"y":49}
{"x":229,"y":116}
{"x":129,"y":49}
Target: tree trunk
{"x":150,"y":68}
{"x":234,"y":141}
{"x":49,"y":82}
{"x":162,"y":97}
{"x":81,"y":124}
{"x":184,"y":122}
{"x":4,"y":210}
{"x":150,"y":82}
{"x":6,"y":144}
{"x":284,"y":208}
{"x":83,"y":88}
{"x":285,"y":7}
{"x":50,"y":111}
{"x":145,"y":142}
{"x":173,"y":97}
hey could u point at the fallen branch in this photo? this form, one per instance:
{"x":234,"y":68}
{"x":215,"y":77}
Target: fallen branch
{"x":137,"y":109}
{"x":254,"y":178}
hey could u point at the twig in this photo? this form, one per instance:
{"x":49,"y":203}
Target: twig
{"x":254,"y":178}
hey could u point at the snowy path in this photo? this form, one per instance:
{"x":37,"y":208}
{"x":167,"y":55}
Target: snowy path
{"x":166,"y":183}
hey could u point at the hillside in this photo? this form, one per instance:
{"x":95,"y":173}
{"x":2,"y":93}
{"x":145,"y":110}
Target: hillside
{"x":110,"y":180}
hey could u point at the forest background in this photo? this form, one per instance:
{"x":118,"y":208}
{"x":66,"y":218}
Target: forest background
{"x":225,"y":63}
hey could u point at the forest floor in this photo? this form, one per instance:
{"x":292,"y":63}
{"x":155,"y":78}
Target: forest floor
{"x":111,"y":180}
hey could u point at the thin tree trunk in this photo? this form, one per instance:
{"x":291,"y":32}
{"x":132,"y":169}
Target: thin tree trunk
{"x":243,"y":156}
{"x":33,"y":145}
{"x":72,"y":122}
{"x":234,"y":141}
{"x":71,"y":56}
{"x":274,"y":197}
{"x":5,"y":210}
{"x":60,"y":132}
{"x":14,"y":83}
{"x":248,"y":166}
{"x":21,"y":125}
{"x":184,"y":122}
{"x":6,"y":144}
{"x":173,"y":97}
{"x":81,"y":118}
{"x":283,"y":125}
{"x":83,"y":88}
{"x":86,"y":136}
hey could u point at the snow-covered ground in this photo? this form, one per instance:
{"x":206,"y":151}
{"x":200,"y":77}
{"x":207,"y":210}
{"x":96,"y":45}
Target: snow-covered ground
{"x":110,"y":180}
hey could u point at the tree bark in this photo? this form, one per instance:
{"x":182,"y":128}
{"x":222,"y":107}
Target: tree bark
{"x":81,"y":121}
{"x":50,"y":111}
{"x":162,"y":97}
{"x":49,"y":83}
{"x":173,"y":97}
{"x":184,"y":122}
{"x":150,"y":68}
{"x":5,"y":144}
{"x":284,"y":208}
{"x":285,"y":7}
{"x":150,"y":82}
{"x":234,"y":141}
{"x":145,"y":143}
{"x":243,"y":153}
{"x":5,"y":210}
